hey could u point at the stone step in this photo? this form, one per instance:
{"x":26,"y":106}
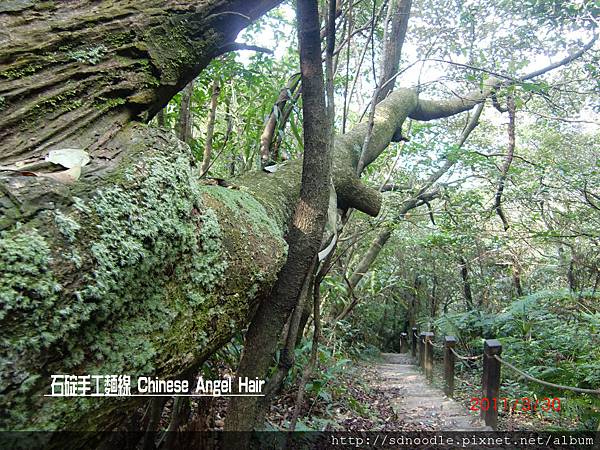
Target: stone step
{"x":418,"y":402}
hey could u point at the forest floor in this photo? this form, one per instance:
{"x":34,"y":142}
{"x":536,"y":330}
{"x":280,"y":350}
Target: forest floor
{"x":392,"y":394}
{"x":385,"y":393}
{"x":388,"y":393}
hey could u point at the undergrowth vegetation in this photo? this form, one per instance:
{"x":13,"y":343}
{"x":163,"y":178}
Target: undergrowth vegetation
{"x":551,"y":335}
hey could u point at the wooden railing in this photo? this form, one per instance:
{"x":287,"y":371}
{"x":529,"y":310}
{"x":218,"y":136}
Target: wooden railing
{"x":422,"y":345}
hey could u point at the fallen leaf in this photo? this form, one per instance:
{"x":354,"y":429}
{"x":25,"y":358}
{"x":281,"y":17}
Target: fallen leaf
{"x":69,"y":157}
{"x":271,"y":169}
{"x":69,"y":176}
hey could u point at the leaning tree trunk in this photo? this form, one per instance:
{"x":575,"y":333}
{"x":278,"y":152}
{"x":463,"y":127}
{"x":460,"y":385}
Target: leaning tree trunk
{"x":138,"y":268}
{"x":305,"y":234}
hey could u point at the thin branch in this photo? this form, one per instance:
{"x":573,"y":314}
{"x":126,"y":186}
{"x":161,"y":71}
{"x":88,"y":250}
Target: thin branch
{"x":510,"y":102}
{"x":536,"y":73}
{"x":562,"y":62}
{"x":503,"y":155}
{"x":437,"y":109}
{"x":223,"y":13}
{"x":313,"y":352}
{"x":235,"y":46}
{"x":587,"y":196}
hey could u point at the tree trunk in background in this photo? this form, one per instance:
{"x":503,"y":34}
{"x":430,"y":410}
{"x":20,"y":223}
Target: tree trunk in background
{"x":369,"y":257}
{"x":276,"y":119}
{"x":276,"y":145}
{"x":306,"y":230}
{"x":210,"y":127}
{"x":291,"y":340}
{"x":185,"y":114}
{"x":392,"y":47}
{"x":571,"y":275}
{"x":464,"y":273}
{"x":516,"y":273}
{"x":510,"y":107}
{"x":434,"y":302}
{"x":305,"y":315}
{"x":412,"y":310}
{"x":415,"y":301}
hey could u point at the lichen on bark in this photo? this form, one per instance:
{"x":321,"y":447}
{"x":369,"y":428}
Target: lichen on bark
{"x":144,"y":260}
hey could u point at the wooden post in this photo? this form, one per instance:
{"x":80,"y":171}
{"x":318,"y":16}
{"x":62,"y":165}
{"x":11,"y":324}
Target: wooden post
{"x":490,"y":382}
{"x":415,"y":333}
{"x":428,"y":357}
{"x":403,"y":342}
{"x":449,"y":344}
{"x":421,"y":349}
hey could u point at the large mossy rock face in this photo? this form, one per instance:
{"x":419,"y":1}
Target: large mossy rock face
{"x":142,"y":270}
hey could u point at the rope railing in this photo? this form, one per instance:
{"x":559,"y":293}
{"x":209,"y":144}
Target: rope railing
{"x":465,"y":358}
{"x":547,"y":383}
{"x":492,"y":363}
{"x":438,"y":346}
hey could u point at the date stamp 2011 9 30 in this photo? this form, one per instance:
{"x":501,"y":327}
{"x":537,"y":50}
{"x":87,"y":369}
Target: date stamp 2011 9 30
{"x":524,"y":404}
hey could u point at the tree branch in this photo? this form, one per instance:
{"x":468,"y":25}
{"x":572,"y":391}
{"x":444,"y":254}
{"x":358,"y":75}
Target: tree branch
{"x":235,"y":46}
{"x":432,"y":109}
{"x":510,"y":106}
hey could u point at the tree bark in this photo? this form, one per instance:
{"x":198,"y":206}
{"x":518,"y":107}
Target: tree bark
{"x":510,"y":107}
{"x":287,"y":356}
{"x":464,"y":273}
{"x":392,"y":46}
{"x":73,"y":73}
{"x":94,"y":267}
{"x":160,"y":118}
{"x":276,"y":119}
{"x":306,"y":230}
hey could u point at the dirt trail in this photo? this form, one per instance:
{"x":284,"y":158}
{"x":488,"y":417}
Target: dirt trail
{"x":417,"y":402}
